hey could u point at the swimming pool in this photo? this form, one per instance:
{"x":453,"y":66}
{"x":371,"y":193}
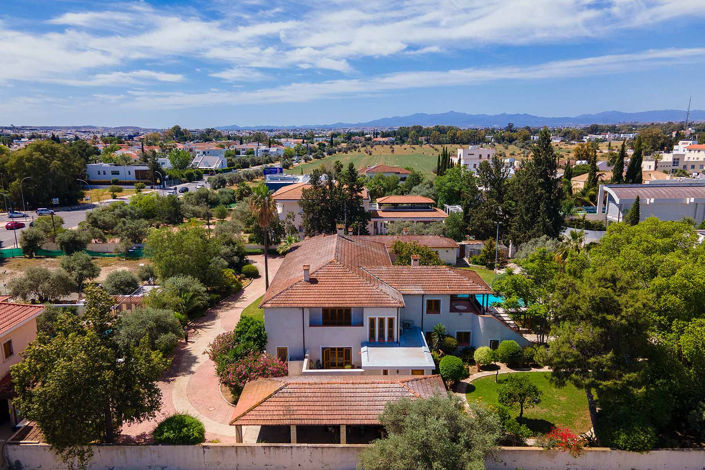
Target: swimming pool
{"x":492,"y":299}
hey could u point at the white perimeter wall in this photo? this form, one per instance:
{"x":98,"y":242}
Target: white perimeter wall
{"x":322,"y":456}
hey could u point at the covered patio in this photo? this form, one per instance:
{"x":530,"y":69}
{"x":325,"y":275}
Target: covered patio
{"x":325,"y":409}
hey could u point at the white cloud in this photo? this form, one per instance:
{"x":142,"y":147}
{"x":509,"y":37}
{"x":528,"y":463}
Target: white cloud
{"x":240,"y":74}
{"x":309,"y":91}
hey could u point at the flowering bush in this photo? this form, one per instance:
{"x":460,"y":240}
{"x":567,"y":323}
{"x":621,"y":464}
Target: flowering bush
{"x":222,"y":344}
{"x":564,"y":440}
{"x":251,"y":367}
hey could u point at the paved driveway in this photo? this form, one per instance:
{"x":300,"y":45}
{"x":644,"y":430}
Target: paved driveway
{"x":191,"y":385}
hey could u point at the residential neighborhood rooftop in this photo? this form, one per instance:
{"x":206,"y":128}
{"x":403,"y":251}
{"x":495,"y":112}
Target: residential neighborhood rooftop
{"x":431,"y":241}
{"x":404,"y":199}
{"x":13,"y":315}
{"x":327,"y":400}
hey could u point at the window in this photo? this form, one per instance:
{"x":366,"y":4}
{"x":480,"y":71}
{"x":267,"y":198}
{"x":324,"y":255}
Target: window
{"x":463,"y":338}
{"x":7,"y":349}
{"x":416,"y":372}
{"x":381,"y":329}
{"x":433,"y":306}
{"x":336,"y":358}
{"x":114,"y":172}
{"x":385,"y":372}
{"x":494,"y":343}
{"x":283,"y":354}
{"x":337,"y":317}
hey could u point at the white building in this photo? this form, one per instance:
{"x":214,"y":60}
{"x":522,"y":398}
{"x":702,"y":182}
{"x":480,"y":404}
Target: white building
{"x":472,"y":156}
{"x":105,"y":173}
{"x":687,"y":155}
{"x":665,"y":201}
{"x":206,"y":162}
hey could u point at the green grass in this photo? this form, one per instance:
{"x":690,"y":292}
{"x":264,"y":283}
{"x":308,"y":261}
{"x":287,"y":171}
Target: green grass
{"x":566,"y":406}
{"x":421,"y":158}
{"x":487,"y":275}
{"x":254,"y":311}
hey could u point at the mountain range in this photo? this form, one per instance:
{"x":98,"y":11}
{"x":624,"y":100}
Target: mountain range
{"x":453,"y":118}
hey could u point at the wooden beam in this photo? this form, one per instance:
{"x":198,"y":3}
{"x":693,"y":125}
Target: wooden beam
{"x":343,"y":434}
{"x":292,"y":429}
{"x":238,"y":434}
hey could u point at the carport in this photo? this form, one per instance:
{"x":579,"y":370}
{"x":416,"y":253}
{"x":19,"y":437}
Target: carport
{"x":326,"y":408}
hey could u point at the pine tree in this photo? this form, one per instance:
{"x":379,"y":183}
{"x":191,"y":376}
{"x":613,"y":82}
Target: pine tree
{"x":567,"y":177}
{"x":618,"y":170}
{"x":634,"y":214}
{"x":633,"y":175}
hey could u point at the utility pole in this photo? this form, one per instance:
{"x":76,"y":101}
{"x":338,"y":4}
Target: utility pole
{"x":24,"y":209}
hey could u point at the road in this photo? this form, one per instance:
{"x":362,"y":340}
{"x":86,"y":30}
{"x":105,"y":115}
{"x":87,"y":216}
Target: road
{"x":72,"y":216}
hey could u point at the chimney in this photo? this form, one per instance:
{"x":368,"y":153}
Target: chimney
{"x":415,"y":259}
{"x":307,"y":272}
{"x":340,"y":228}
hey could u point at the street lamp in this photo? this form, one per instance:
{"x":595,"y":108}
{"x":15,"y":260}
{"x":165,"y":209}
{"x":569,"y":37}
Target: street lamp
{"x":24,"y":209}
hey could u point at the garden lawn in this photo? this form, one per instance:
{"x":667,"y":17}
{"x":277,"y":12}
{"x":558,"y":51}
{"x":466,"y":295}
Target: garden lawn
{"x":421,"y":158}
{"x":566,"y":406}
{"x":487,"y":275}
{"x":254,"y":311}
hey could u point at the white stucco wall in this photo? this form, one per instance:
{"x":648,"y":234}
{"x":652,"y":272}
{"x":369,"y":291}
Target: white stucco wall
{"x":284,"y":208}
{"x":284,"y":329}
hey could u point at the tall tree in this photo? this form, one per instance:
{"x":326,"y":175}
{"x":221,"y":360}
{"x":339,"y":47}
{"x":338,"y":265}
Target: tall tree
{"x":264,"y":209}
{"x":634,"y":215}
{"x":618,"y":169}
{"x":82,"y":368}
{"x":537,"y":194}
{"x":633,"y":175}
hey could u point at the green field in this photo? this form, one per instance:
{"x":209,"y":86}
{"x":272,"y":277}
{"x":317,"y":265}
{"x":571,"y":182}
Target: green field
{"x":421,"y":158}
{"x":254,"y":311}
{"x":566,"y":406}
{"x":487,"y":275}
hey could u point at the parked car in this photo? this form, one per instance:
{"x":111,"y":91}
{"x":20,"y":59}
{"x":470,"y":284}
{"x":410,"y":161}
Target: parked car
{"x":14,"y":225}
{"x":44,"y":211}
{"x":16,"y":215}
{"x":183,"y":189}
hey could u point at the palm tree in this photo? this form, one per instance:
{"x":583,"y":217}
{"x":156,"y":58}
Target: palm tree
{"x":264,"y":209}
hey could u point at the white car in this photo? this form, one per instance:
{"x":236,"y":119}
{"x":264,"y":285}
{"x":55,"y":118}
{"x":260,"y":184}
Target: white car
{"x":44,"y":211}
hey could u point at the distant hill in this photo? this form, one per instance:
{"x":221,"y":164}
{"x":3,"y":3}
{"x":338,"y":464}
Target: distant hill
{"x":453,"y":118}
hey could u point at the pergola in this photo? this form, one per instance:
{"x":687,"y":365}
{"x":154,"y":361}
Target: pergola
{"x":326,"y":400}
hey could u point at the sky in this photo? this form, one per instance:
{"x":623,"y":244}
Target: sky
{"x":269,"y":62}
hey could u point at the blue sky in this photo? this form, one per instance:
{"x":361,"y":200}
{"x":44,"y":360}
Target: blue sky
{"x":200,"y":64}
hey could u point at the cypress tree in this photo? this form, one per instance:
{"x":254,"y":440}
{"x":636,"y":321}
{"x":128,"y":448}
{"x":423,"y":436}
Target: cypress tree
{"x":634,"y":214}
{"x":592,"y":172}
{"x":633,"y":175}
{"x":618,"y":170}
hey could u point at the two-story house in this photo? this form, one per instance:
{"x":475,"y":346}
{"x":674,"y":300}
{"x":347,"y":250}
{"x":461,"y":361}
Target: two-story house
{"x":338,"y":303}
{"x":409,"y":208}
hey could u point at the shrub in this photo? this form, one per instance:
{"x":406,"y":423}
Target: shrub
{"x":161,"y":328}
{"x":696,"y":419}
{"x":484,"y":356}
{"x":180,"y":429}
{"x":565,"y":440}
{"x":70,"y":242}
{"x":252,"y":367}
{"x":31,"y":241}
{"x":467,"y":354}
{"x":121,"y":282}
{"x":515,"y":434}
{"x":452,"y":369}
{"x":114,"y":190}
{"x":139,"y":187}
{"x":542,"y":356}
{"x":449,"y":345}
{"x":509,"y":352}
{"x":220,"y":212}
{"x":250,"y":334}
{"x":146,"y":273}
{"x":250,"y":271}
{"x":436,"y":360}
{"x":632,"y":436}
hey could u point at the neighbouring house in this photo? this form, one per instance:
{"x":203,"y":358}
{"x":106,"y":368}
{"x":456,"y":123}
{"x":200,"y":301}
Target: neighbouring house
{"x":341,"y":409}
{"x":603,"y":177}
{"x":130,"y":302}
{"x":105,"y":173}
{"x":277,"y":181}
{"x":18,"y":328}
{"x":386,"y":170}
{"x":408,"y":208}
{"x":687,"y":155}
{"x":209,"y":162}
{"x":287,"y":200}
{"x":472,"y":156}
{"x":469,"y":248}
{"x":165,"y":163}
{"x":447,"y":248}
{"x":663,"y":200}
{"x":338,"y":305}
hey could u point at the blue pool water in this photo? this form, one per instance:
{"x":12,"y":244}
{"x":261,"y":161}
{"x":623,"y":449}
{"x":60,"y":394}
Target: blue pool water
{"x":492,"y":299}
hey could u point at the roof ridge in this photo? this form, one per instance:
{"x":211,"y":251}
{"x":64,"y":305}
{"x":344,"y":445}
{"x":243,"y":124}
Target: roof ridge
{"x":296,"y":283}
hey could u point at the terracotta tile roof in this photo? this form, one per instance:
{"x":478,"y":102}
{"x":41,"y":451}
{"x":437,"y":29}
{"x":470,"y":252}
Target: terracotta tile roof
{"x":385,"y":169}
{"x":293,"y":192}
{"x":30,"y":432}
{"x":430,"y":279}
{"x":336,"y":277}
{"x":327,"y":400}
{"x":410,"y":199}
{"x":696,"y":147}
{"x":432,"y":241}
{"x":13,"y":315}
{"x":433,"y":213}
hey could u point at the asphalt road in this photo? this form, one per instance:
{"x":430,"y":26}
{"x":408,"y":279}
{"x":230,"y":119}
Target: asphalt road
{"x":72,"y":216}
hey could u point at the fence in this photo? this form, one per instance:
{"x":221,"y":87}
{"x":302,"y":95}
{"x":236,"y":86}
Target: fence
{"x":332,"y":456}
{"x":95,"y":253}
